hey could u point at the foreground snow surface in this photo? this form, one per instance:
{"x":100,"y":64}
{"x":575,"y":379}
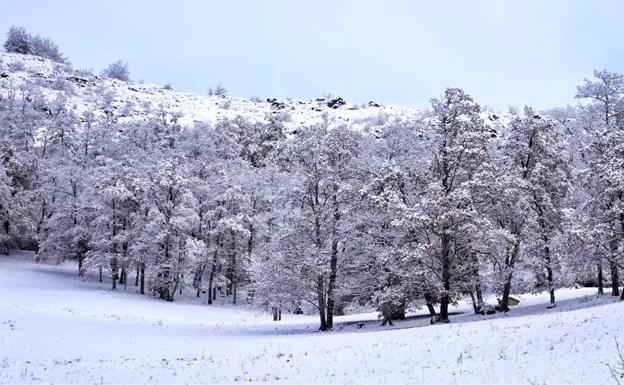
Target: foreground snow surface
{"x":56,"y":328}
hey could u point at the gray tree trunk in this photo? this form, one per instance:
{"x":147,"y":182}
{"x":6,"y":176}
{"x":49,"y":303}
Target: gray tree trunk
{"x":213,"y":269}
{"x":142,"y":280}
{"x":600,"y":278}
{"x":509,"y":264}
{"x":615,"y":280}
{"x":446,"y":277}
{"x":320,"y":290}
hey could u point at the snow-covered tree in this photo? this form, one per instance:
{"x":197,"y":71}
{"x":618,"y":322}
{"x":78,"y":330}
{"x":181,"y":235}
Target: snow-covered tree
{"x":6,"y":214}
{"x":603,"y":175}
{"x":45,"y":47}
{"x":18,"y":41}
{"x":117,"y":70}
{"x":311,"y":236}
{"x":445,"y":220}
{"x":533,"y":182}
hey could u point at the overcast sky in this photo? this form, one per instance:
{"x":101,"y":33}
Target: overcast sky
{"x":401,"y":52}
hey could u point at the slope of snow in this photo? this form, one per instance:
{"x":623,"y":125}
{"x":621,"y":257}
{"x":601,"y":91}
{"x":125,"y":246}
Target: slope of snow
{"x":132,"y":100}
{"x":56,"y":328}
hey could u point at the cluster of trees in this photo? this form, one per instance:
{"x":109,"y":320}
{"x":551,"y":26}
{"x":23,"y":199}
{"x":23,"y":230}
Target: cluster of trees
{"x":413,"y":214}
{"x":20,"y":41}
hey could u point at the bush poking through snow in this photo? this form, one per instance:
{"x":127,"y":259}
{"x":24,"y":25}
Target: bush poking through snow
{"x":61,"y":84}
{"x":18,"y":66}
{"x":117,"y":70}
{"x":219,"y":90}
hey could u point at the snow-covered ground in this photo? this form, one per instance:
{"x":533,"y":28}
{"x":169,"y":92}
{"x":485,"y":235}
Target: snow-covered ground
{"x":136,"y":100}
{"x":57,"y":328}
{"x":83,"y":91}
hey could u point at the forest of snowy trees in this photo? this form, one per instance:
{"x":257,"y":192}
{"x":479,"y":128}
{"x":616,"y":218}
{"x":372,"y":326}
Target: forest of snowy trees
{"x":419,"y":214}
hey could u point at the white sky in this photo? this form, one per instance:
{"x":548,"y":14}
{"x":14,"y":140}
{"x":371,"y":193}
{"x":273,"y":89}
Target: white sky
{"x":401,"y":52}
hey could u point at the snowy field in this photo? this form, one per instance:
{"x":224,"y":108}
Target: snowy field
{"x":57,"y":328}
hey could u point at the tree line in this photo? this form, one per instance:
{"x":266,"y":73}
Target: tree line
{"x":457,"y":203}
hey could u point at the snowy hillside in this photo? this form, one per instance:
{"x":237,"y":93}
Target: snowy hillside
{"x":163,"y":227}
{"x":133,"y":100}
{"x":56,"y":328}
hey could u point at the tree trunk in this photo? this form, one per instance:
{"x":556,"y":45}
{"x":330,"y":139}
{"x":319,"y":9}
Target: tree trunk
{"x":142,"y":280}
{"x":100,"y":274}
{"x":475,"y":306}
{"x":504,"y":302}
{"x":600,"y":279}
{"x":332,"y":284}
{"x":616,"y":284}
{"x":613,"y":246}
{"x":510,"y":262}
{"x":479,"y":292}
{"x":171,"y":293}
{"x":551,"y":286}
{"x":213,"y":269}
{"x":429,"y":302}
{"x":42,"y":217}
{"x":320,"y":290}
{"x":197,"y":278}
{"x":549,"y":272}
{"x":444,"y":303}
{"x":199,"y":275}
{"x":6,"y":226}
{"x":431,"y":309}
{"x":479,"y":295}
{"x":333,"y":264}
{"x":615,"y":280}
{"x":136,"y":277}
{"x":547,"y":256}
{"x":277,"y":313}
{"x":80,"y":263}
{"x":233,"y":280}
{"x":446,"y":277}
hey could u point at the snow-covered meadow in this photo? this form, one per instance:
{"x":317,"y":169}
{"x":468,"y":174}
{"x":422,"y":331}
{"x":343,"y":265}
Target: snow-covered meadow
{"x":57,"y":328}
